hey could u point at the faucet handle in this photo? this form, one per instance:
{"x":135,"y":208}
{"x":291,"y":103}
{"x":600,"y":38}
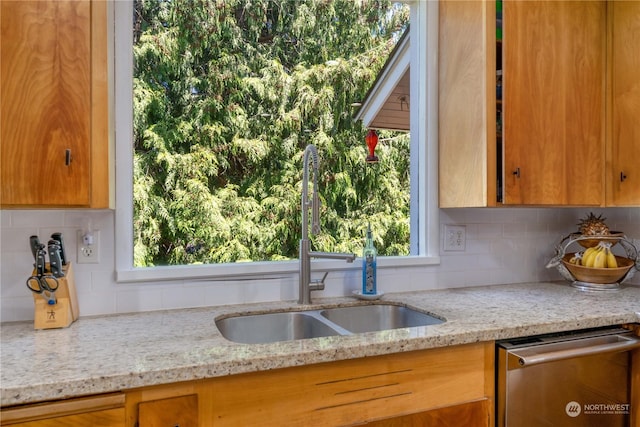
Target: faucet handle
{"x":318,"y":284}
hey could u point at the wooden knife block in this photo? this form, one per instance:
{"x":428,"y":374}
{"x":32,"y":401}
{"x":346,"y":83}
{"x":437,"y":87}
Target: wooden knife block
{"x":65,"y":311}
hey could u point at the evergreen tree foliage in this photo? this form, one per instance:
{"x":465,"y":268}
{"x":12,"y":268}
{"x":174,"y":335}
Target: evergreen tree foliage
{"x":227,"y":94}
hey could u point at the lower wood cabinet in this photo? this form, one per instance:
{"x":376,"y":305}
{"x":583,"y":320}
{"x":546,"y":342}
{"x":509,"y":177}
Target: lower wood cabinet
{"x":97,"y":411}
{"x":449,"y":386}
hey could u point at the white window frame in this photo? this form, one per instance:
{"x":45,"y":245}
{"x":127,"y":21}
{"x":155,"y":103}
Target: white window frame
{"x":424,"y":163}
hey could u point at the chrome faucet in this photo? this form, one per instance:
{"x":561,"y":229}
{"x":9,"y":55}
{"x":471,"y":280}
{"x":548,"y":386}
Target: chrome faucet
{"x":306,"y":284}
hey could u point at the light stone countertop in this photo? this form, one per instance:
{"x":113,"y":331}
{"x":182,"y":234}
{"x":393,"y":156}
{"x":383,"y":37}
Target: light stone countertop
{"x":111,"y":353}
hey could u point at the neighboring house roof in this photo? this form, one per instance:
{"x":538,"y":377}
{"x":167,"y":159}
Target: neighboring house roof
{"x":386,"y":105}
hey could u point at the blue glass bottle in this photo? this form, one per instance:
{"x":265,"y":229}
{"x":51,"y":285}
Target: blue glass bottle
{"x":369,"y":256}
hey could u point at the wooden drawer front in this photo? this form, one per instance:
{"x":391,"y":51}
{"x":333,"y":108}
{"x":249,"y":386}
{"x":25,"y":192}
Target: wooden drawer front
{"x":472,"y":414}
{"x":173,"y":412}
{"x":353,"y":391}
{"x":108,"y":418}
{"x":100,"y":411}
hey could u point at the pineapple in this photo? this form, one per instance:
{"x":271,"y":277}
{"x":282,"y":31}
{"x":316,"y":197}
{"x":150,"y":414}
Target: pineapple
{"x":593,"y":226}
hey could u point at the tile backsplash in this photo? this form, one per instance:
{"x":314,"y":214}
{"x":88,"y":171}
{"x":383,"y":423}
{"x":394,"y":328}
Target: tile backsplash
{"x":503,"y":245}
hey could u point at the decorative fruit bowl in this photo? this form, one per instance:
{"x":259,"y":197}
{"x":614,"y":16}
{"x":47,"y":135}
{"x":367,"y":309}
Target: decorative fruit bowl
{"x":591,"y":241}
{"x":598,"y":275}
{"x":580,"y":269}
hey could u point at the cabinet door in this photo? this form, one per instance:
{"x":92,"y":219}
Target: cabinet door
{"x":623,"y":166}
{"x":467,"y":113}
{"x":352,"y":392}
{"x":46,"y":102}
{"x":554,"y":96}
{"x":172,"y":412}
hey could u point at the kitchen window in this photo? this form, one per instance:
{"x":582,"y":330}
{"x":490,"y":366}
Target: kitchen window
{"x":424,"y":219}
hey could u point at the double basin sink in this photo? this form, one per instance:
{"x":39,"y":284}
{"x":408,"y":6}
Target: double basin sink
{"x":295,"y":325}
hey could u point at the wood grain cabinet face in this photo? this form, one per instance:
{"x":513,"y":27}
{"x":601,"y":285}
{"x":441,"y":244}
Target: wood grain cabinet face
{"x":54,"y":104}
{"x":554,"y":65}
{"x":352,"y":392}
{"x":570,"y":104}
{"x":172,"y":412}
{"x":623,"y":149}
{"x":96,"y":411}
{"x":452,"y":384}
{"x":472,"y":414}
{"x":466,"y":110}
{"x":108,"y":418}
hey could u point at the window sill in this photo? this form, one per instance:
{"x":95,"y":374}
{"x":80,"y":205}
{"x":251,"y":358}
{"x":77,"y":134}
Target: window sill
{"x":252,"y":270}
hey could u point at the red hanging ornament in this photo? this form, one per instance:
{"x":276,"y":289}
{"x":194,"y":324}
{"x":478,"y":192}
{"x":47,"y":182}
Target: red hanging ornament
{"x":372,"y":140}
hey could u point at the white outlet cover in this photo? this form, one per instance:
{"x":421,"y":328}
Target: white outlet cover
{"x":455,"y":238}
{"x":88,"y":253}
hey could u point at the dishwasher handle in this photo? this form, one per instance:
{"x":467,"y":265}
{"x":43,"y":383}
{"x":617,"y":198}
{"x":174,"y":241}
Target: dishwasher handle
{"x":523,"y":360}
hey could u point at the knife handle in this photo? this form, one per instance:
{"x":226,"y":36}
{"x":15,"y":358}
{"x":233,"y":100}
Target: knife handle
{"x":55,"y":261}
{"x":58,"y":238}
{"x":40,"y":261}
{"x":34,"y":242}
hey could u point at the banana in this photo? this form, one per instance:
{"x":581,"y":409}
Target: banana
{"x":611,"y":259}
{"x":589,"y":261}
{"x":587,"y":255}
{"x":599,"y":256}
{"x":600,"y":260}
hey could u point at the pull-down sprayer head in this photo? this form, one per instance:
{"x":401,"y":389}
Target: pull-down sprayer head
{"x":310,"y":153}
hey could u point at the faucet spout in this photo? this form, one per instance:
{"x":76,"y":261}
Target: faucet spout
{"x":305,"y":254}
{"x":333,"y":255}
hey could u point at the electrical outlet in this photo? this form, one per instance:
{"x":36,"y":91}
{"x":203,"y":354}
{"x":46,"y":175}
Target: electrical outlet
{"x":454,"y":237}
{"x":88,"y":247}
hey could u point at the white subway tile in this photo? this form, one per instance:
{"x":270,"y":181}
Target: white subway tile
{"x":504,"y":245}
{"x":139,"y":299}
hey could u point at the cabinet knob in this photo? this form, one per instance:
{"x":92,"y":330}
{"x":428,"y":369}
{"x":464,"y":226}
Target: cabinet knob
{"x":622,"y":176}
{"x":517,"y":172}
{"x":67,"y":157}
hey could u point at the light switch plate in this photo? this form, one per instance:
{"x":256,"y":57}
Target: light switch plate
{"x":455,"y":237}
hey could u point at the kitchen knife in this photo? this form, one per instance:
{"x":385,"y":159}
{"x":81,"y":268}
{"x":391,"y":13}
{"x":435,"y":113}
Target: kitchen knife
{"x":40,"y":261}
{"x":63,"y":254}
{"x":55,"y":260}
{"x":34,"y":242}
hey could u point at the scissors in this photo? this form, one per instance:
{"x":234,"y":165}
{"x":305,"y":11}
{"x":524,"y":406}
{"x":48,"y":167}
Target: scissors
{"x":45,"y":286}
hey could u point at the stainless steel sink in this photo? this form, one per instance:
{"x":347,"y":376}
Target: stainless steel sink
{"x":273,"y":327}
{"x":296,"y":325}
{"x":379,"y":317}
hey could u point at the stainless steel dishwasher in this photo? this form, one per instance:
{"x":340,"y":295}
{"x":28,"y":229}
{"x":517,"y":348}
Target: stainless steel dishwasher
{"x":575,"y":379}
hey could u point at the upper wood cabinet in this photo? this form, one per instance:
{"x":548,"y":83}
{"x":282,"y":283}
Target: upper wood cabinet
{"x":561,"y":144}
{"x":553,"y":83}
{"x":467,"y":104}
{"x":54,"y":110}
{"x":623,"y":149}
